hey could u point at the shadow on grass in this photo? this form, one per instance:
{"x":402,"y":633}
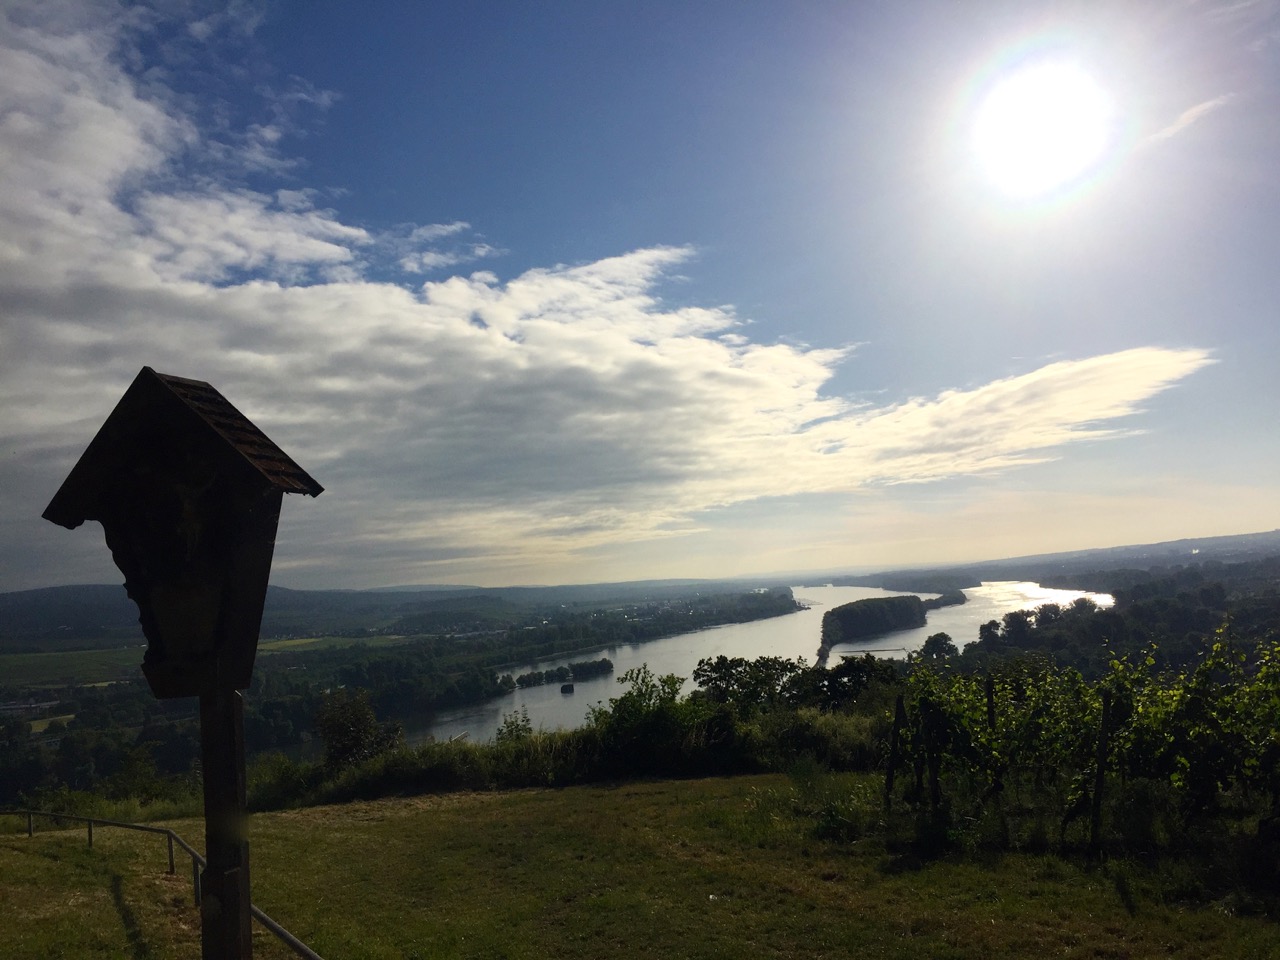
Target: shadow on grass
{"x":903,"y":863}
{"x":138,"y":946}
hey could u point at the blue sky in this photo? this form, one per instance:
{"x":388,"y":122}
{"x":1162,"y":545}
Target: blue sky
{"x":576,"y":292}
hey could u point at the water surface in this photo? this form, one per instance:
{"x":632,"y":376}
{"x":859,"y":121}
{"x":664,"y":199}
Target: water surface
{"x":792,"y":636}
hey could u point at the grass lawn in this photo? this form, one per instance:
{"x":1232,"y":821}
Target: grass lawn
{"x":699,"y":869}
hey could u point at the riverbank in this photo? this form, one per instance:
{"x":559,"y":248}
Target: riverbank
{"x":794,"y":636}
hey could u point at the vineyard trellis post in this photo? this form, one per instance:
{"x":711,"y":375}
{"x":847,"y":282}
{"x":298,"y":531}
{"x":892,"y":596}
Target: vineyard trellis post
{"x":895,"y":751}
{"x":1099,"y":775}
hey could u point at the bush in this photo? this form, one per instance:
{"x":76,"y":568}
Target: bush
{"x":274,"y":781}
{"x":350,"y":731}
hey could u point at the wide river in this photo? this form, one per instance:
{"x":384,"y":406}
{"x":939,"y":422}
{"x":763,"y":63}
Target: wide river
{"x":794,"y":635}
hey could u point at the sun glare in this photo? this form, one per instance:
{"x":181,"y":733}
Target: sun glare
{"x":1042,"y":127}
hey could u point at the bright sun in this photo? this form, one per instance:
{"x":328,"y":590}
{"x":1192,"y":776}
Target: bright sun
{"x":1042,"y":127}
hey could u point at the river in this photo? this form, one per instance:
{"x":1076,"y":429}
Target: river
{"x":791,"y":636}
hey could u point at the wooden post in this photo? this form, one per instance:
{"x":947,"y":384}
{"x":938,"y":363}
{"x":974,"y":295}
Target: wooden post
{"x":997,"y":769}
{"x":1099,"y":776}
{"x":169,"y":837}
{"x":225,"y":916}
{"x":31,"y":828}
{"x":931,"y":726}
{"x":990,"y":689}
{"x":895,"y":751}
{"x":90,"y":834}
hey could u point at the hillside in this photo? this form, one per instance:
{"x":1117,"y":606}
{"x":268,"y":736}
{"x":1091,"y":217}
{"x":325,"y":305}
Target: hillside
{"x":703,"y":868}
{"x":101,"y":616}
{"x":1084,"y":569}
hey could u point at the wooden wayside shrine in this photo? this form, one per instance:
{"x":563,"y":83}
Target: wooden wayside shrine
{"x":188,"y":492}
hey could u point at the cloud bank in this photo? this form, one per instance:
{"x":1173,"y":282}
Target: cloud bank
{"x":458,"y":424}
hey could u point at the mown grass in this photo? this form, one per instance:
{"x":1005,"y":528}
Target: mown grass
{"x":765,"y":866}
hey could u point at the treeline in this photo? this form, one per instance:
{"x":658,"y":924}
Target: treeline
{"x":579,"y":670}
{"x":98,"y":617}
{"x":570,"y":629}
{"x":952,"y":598}
{"x":120,"y":741}
{"x":1174,"y":617}
{"x":862,"y":619}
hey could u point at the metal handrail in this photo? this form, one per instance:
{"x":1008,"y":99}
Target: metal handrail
{"x":197,"y":861}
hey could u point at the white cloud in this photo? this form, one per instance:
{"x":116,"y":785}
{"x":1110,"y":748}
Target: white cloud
{"x":567,"y":409}
{"x":437,"y":231}
{"x":406,"y":244}
{"x":204,"y":236}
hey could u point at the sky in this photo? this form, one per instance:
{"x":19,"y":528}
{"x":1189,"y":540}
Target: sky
{"x":587,"y":291}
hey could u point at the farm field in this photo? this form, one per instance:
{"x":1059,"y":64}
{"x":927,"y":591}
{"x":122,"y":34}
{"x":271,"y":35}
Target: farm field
{"x":85,"y":667}
{"x":296,"y":644}
{"x":71,"y":668}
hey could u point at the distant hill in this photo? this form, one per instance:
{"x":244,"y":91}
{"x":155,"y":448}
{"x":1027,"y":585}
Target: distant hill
{"x":1068,"y":569}
{"x":98,"y":616}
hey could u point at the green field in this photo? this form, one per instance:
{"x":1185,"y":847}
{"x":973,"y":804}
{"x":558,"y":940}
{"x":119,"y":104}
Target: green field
{"x":708,"y":869}
{"x":83,"y":667}
{"x":71,"y":668}
{"x":296,"y":644}
{"x":42,"y":724}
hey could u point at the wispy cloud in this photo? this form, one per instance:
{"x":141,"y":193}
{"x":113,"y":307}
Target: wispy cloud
{"x":559,"y":411}
{"x":1190,"y":116}
{"x":432,"y":247}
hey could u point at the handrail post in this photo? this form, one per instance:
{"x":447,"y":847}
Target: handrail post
{"x":169,"y":837}
{"x":195,"y":881}
{"x":31,"y":830}
{"x":90,"y":822}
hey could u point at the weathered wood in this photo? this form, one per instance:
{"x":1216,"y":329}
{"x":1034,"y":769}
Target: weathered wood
{"x":188,"y":493}
{"x":225,"y":911}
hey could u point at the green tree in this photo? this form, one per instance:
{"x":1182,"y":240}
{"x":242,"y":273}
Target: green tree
{"x":939,"y":646}
{"x":350,"y":731}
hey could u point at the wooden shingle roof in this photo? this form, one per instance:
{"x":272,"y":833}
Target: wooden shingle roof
{"x":241,"y":433}
{"x":158,"y":405}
